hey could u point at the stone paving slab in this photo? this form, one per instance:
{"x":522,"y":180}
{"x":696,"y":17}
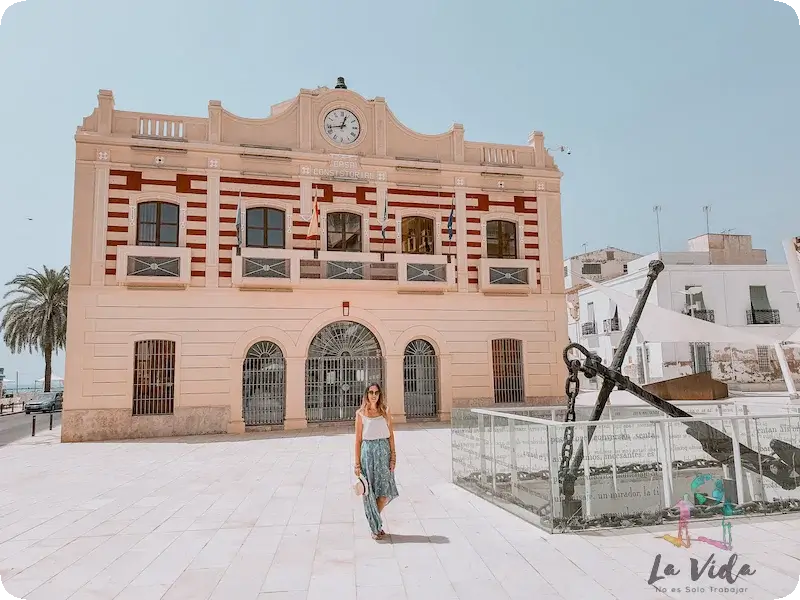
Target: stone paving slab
{"x":273,"y":517}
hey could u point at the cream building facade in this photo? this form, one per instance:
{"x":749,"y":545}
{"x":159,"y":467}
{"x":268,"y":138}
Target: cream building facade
{"x":231,"y":273}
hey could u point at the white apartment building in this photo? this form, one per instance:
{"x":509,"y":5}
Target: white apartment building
{"x":722,"y":279}
{"x":598,"y":265}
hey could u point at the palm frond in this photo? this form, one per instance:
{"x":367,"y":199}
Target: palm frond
{"x":35,"y":314}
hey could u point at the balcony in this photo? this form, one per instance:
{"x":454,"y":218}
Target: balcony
{"x":763,"y":317}
{"x":507,"y":276}
{"x":703,"y":315}
{"x":153,"y":266}
{"x":610,"y":325}
{"x":268,"y":268}
{"x":425,"y":273}
{"x":589,"y":328}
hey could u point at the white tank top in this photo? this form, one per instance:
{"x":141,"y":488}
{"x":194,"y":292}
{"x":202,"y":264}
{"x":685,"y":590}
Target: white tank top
{"x":374,"y":428}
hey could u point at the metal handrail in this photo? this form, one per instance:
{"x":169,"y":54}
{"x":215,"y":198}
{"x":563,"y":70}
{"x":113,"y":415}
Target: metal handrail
{"x":561,"y":424}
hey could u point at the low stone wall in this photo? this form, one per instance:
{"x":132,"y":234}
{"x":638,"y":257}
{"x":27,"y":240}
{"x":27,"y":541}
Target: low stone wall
{"x":118,"y":424}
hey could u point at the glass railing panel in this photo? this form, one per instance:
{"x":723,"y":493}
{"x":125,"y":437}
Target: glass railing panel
{"x":504,"y":460}
{"x":777,"y":489}
{"x":619,"y":482}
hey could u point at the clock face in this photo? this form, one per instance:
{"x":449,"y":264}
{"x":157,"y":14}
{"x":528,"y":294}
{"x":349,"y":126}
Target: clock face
{"x":342,"y":126}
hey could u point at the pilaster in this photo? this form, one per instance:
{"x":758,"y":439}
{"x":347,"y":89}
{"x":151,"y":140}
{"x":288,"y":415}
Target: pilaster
{"x":305,"y":120}
{"x":236,"y":424}
{"x":212,"y":223}
{"x":100,"y":219}
{"x":393,"y":387}
{"x":445,"y":386}
{"x":306,"y":196}
{"x":379,"y":107}
{"x":295,"y":416}
{"x":461,"y":238}
{"x":214,"y":121}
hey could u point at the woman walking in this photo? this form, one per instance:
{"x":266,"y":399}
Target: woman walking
{"x":375,"y":456}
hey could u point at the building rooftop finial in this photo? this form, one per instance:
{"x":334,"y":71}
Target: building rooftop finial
{"x":340,"y":84}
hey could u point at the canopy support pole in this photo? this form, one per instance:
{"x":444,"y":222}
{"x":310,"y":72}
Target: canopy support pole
{"x":787,"y":373}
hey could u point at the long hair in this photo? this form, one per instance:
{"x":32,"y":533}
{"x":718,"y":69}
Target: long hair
{"x":381,"y":399}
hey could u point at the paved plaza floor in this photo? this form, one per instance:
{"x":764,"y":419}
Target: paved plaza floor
{"x":273,"y":517}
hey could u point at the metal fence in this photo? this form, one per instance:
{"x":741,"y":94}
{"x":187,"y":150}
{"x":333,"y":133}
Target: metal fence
{"x":335,"y":385}
{"x":264,"y":385}
{"x":420,"y":380}
{"x":508,"y":370}
{"x":154,"y":377}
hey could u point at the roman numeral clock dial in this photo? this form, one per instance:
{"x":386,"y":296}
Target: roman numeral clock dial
{"x":342,"y":127}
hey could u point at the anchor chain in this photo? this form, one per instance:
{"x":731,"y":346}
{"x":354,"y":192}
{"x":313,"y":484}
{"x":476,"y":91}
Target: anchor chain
{"x":572,"y":388}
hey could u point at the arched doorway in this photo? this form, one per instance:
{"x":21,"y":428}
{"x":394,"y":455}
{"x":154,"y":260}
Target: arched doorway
{"x":264,"y":385}
{"x":420,"y":380}
{"x":342,"y":359}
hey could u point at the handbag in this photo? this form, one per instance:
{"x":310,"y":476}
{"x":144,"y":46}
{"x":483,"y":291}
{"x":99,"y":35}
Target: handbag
{"x":361,"y":487}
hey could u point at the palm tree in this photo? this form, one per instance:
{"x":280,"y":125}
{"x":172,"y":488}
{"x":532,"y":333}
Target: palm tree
{"x":36,"y":316}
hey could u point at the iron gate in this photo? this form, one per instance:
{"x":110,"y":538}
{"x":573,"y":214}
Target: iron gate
{"x":343,"y":359}
{"x":264,"y":385}
{"x":420,"y":380}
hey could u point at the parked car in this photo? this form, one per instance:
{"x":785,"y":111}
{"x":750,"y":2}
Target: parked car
{"x":45,"y":402}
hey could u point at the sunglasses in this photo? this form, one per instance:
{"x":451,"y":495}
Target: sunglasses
{"x":373,"y":392}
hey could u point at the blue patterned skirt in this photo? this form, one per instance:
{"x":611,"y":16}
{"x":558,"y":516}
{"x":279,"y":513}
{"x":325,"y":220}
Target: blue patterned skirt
{"x":375,"y":468}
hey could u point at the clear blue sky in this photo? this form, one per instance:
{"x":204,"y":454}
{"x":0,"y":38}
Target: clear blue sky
{"x":680,"y":103}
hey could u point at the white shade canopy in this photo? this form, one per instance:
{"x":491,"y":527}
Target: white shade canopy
{"x":53,"y":377}
{"x":663,"y":325}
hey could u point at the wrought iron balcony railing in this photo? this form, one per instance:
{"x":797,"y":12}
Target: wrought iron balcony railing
{"x":589,"y":328}
{"x":153,"y":266}
{"x":702,"y":314}
{"x":268,"y":268}
{"x":509,"y":276}
{"x":610,"y":325}
{"x":763,"y":317}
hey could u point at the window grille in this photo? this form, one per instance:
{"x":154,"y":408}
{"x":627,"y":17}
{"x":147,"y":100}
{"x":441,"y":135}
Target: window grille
{"x":591,"y":269}
{"x":420,"y":379}
{"x":508,"y":371}
{"x":764,"y":363}
{"x":264,"y":385}
{"x":154,"y":377}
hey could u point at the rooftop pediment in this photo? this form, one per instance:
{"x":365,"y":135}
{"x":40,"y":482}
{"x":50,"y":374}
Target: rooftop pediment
{"x":326,"y":120}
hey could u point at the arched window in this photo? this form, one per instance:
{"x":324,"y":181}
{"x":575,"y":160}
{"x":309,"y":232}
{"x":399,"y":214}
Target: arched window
{"x":417,"y":235}
{"x":344,"y":232}
{"x":157,"y":224}
{"x":266,"y":228}
{"x":501,"y":239}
